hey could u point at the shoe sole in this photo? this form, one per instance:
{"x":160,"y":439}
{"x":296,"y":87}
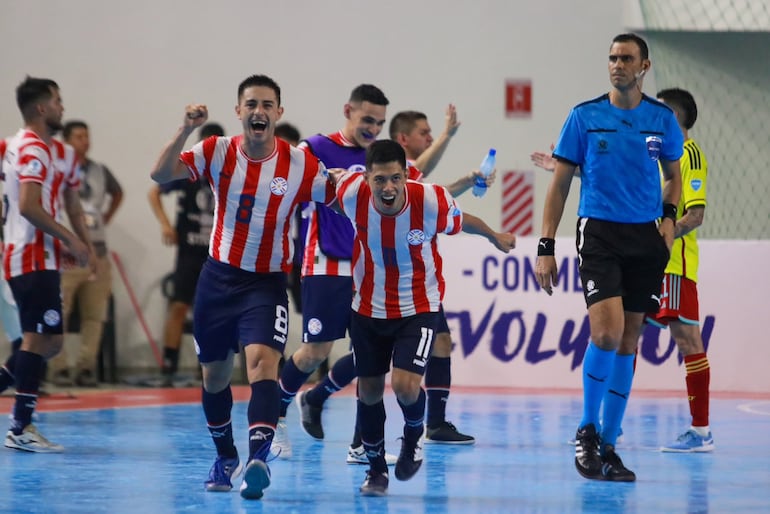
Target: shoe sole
{"x":404,"y":478}
{"x":298,"y":403}
{"x":14,"y":446}
{"x":700,"y":449}
{"x":374,"y":494}
{"x":223,"y":488}
{"x":436,"y":441}
{"x":596,"y":476}
{"x":390,"y":460}
{"x":257,"y":479}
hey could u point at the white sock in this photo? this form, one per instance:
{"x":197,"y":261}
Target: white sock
{"x":701,"y":431}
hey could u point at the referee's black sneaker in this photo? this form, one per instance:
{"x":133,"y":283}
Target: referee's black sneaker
{"x":613,"y":469}
{"x":587,"y":459}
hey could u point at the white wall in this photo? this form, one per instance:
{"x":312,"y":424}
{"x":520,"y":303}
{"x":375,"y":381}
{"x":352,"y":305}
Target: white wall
{"x":128,"y":69}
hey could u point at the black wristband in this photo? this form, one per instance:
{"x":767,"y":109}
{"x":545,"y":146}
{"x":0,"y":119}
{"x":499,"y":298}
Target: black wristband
{"x":546,"y":246}
{"x":669,"y":211}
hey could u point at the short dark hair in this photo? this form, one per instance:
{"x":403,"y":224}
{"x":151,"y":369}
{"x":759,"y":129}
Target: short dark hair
{"x":644,"y":50}
{"x":404,"y":122}
{"x":32,"y":91}
{"x":259,"y":80}
{"x":287,"y":132}
{"x":368,"y":93}
{"x":72,"y":125}
{"x":383,"y":151}
{"x":681,"y":100}
{"x":211,"y":129}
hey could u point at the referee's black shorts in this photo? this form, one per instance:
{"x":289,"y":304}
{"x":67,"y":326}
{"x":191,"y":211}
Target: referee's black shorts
{"x":621,"y":259}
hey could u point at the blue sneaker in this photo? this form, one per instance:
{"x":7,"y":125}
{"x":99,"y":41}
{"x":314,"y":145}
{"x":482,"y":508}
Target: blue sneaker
{"x":691,"y":442}
{"x":256,"y":477}
{"x":222,"y":473}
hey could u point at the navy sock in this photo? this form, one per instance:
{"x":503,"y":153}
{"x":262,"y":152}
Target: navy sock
{"x":27,"y":385}
{"x":290,"y":381}
{"x":414,"y":417}
{"x":342,"y":373}
{"x":438,"y":379}
{"x":217,"y":408}
{"x":372,"y":422}
{"x":263,"y":416}
{"x":597,"y":368}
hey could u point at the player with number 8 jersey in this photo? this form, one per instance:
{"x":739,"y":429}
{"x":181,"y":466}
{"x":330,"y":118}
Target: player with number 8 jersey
{"x":257,"y":180}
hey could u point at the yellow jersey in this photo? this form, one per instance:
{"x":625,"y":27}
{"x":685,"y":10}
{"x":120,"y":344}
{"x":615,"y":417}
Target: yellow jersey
{"x":684,"y":253}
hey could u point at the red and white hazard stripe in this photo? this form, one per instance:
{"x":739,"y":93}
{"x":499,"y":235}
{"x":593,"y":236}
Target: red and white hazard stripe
{"x":518,"y":202}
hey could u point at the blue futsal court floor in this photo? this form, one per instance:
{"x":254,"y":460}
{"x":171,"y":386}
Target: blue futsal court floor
{"x":148,"y":459}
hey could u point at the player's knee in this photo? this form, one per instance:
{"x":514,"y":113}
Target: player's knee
{"x":406,"y":387}
{"x":52,"y":346}
{"x":442,"y":346}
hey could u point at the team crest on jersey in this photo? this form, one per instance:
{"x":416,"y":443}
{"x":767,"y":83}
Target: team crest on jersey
{"x":654,"y":143}
{"x":696,"y":184}
{"x":357,"y":168}
{"x":415,"y":237}
{"x":34,"y":169}
{"x":279,"y":186}
{"x":51,"y":317}
{"x":314,"y":326}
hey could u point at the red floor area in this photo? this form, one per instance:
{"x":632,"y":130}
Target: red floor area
{"x":89,"y":399}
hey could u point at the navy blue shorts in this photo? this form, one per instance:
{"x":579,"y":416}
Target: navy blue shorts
{"x":442,"y":326}
{"x":406,"y":341}
{"x":326,"y":301}
{"x":234,"y":306}
{"x":38,"y":296}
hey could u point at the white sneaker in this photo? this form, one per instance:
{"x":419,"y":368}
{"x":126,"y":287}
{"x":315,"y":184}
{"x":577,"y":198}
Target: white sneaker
{"x":357,"y":455}
{"x":30,"y":440}
{"x":281,"y":446}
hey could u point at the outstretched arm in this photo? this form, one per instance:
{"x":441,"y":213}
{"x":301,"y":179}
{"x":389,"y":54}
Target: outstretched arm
{"x":427,"y":162}
{"x":463,"y":184}
{"x":503,"y":241}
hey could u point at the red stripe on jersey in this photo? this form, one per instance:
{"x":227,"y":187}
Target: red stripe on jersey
{"x":244,"y":213}
{"x":417,"y":221}
{"x":225,"y":177}
{"x":390,"y":261}
{"x":209,"y":145}
{"x":443,"y":206}
{"x":362,"y":222}
{"x":265,"y":253}
{"x":7,"y":252}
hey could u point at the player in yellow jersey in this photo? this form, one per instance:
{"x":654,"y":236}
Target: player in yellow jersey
{"x":679,"y":295}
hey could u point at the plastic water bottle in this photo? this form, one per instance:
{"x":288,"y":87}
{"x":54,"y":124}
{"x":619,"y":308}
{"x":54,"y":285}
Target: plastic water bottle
{"x":486,"y":168}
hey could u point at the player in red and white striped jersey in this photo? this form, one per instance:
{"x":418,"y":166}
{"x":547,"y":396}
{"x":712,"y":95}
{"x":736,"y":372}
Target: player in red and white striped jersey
{"x":398,"y":292}
{"x":39,"y":175}
{"x":9,"y":311}
{"x":412,"y":131}
{"x":257,"y":181}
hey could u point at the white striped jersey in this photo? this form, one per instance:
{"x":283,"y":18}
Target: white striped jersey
{"x":28,"y":159}
{"x":397,"y":268}
{"x":255,"y":200}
